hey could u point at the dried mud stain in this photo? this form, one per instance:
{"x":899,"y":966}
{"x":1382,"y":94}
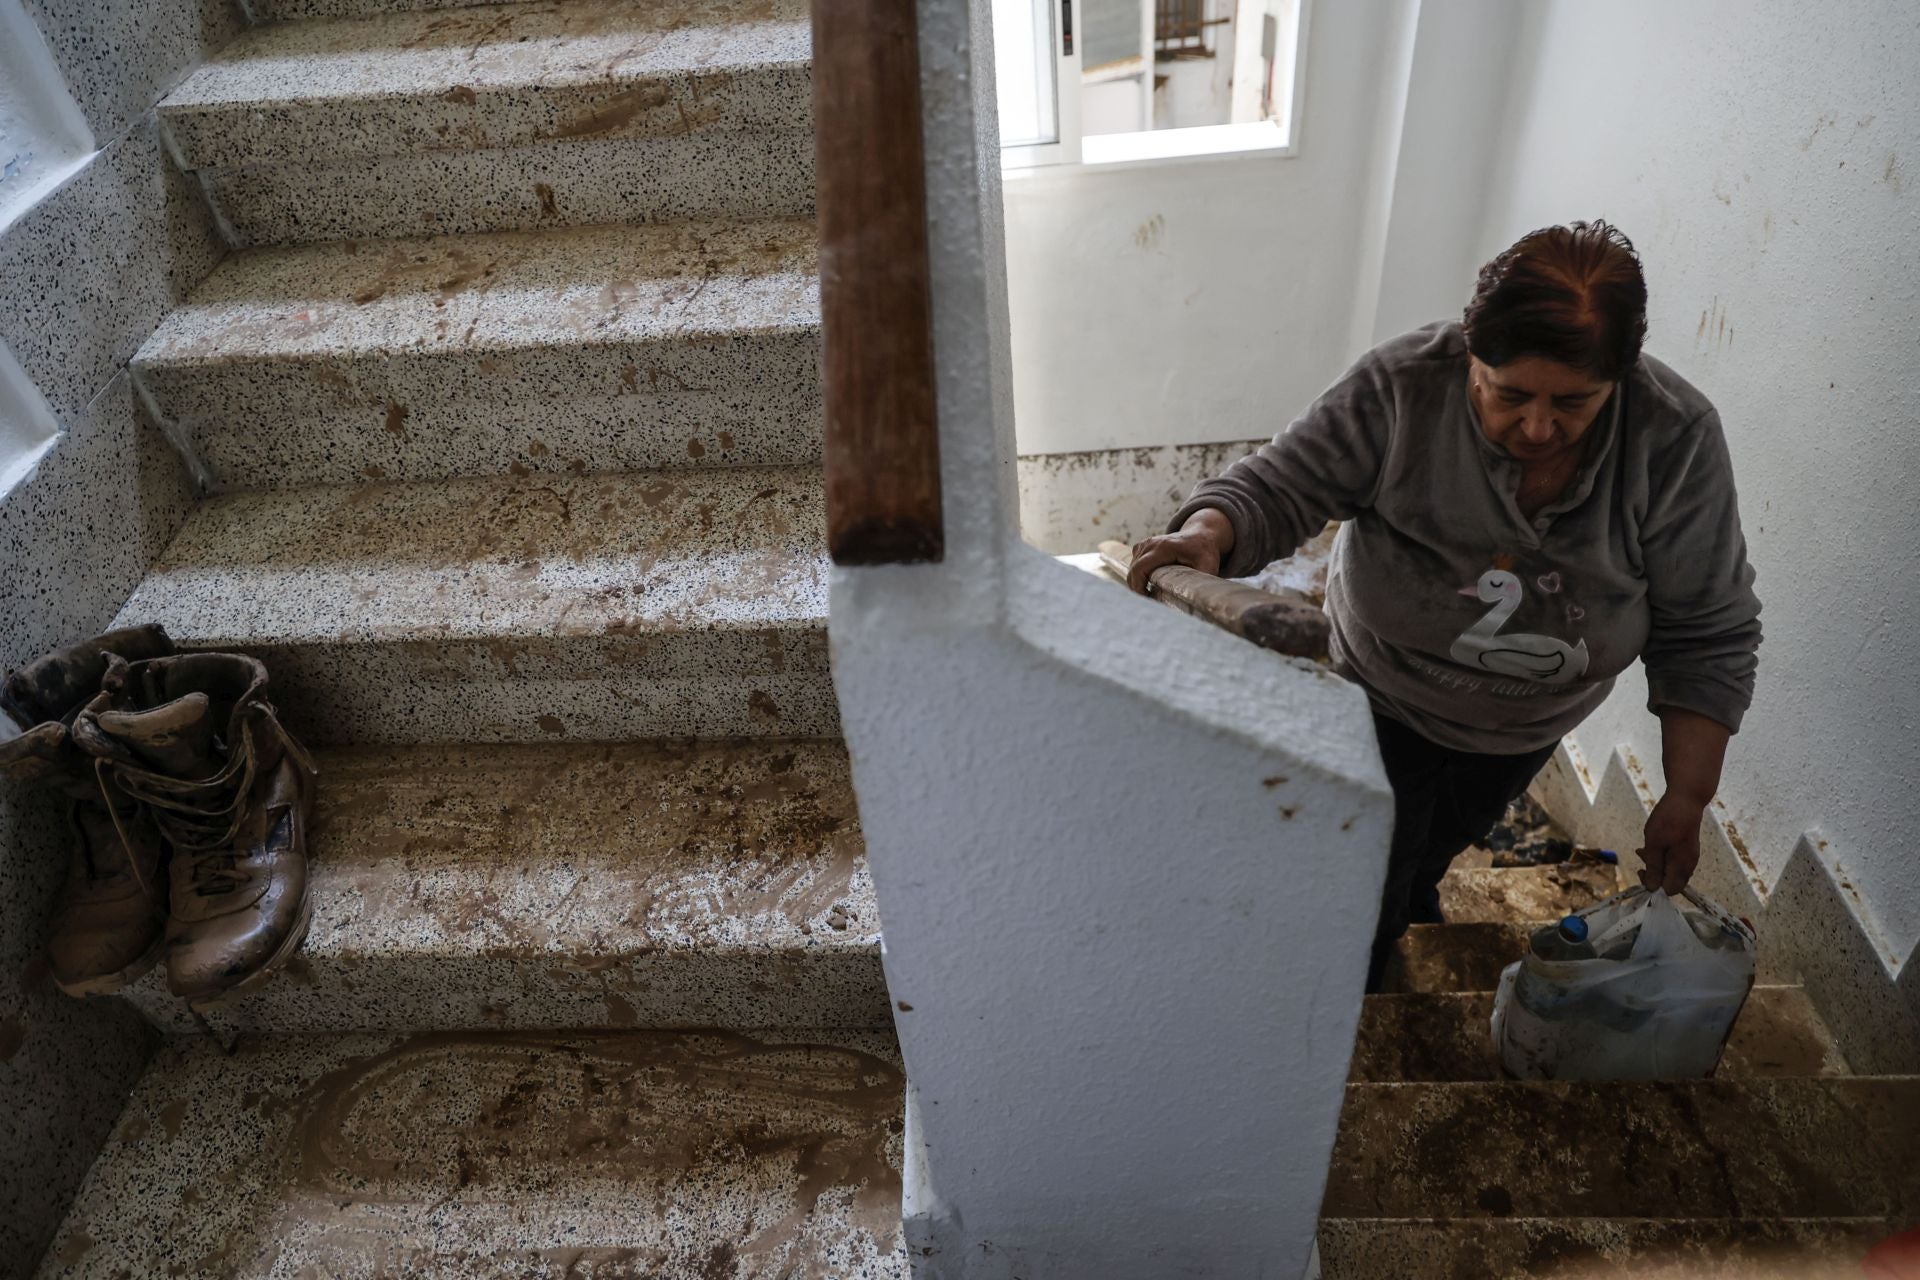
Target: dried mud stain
{"x":660,"y":838}
{"x":532,"y":1118}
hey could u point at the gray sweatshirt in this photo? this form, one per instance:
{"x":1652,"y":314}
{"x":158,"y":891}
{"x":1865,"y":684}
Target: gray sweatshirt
{"x":1474,"y":626}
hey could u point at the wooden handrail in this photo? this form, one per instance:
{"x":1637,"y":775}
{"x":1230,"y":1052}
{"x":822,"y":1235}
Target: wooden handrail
{"x":882,"y":442}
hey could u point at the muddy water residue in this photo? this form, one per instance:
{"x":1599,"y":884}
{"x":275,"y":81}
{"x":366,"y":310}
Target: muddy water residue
{"x":521,"y":1118}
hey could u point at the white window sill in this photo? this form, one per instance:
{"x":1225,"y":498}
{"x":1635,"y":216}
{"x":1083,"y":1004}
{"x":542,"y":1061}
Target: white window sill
{"x":1165,"y":147}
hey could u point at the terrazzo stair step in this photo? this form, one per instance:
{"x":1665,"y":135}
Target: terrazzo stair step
{"x":1755,"y":1148}
{"x":1598,"y":1248}
{"x":1447,"y":1037}
{"x":503,"y":117}
{"x":580,"y":349}
{"x":1498,"y":895}
{"x":302,"y":10}
{"x":710,"y":884}
{"x":501,"y":1155}
{"x":1469,"y":957}
{"x":687,"y":603}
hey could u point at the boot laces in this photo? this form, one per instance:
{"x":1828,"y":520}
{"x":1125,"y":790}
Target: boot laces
{"x":201,"y":819}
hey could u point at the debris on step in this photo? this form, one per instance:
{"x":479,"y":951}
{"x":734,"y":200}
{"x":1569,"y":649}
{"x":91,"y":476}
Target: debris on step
{"x":1470,"y":894}
{"x":1527,"y":837}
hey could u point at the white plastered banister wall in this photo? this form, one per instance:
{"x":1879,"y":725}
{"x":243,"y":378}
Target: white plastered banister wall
{"x":1127,"y":865}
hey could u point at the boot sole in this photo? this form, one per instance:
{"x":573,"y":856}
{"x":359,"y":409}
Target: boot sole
{"x":107,"y":984}
{"x":288,"y":948}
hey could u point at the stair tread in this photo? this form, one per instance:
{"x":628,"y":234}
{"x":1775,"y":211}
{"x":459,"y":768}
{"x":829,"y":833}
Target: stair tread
{"x":1470,"y":956}
{"x":589,"y":849}
{"x":487,"y":1154}
{"x":1589,"y":1248}
{"x":1841,"y":1147}
{"x":577,"y":884}
{"x":494,"y":76}
{"x":626,"y":556}
{"x":1446,"y":1036}
{"x":490,"y":293}
{"x":1476,"y":895}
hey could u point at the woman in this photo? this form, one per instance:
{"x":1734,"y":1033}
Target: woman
{"x":1530,"y":505}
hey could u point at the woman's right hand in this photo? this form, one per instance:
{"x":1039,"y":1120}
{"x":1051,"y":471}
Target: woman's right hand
{"x":1202,"y":543}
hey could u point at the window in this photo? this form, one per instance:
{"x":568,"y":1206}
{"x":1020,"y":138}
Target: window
{"x":1034,"y":59}
{"x":1149,"y":79}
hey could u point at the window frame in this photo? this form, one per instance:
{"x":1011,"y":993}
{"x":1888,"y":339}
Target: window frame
{"x":1065,"y":149}
{"x":1278,"y":139}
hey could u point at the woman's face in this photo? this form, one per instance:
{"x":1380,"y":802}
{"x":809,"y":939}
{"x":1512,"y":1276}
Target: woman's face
{"x":1533,"y":408}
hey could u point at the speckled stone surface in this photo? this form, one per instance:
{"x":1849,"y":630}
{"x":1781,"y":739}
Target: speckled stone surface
{"x":119,"y":56}
{"x":583,"y":349}
{"x":87,"y":273}
{"x":687,"y":603}
{"x":1816,"y":916}
{"x":758,"y":174}
{"x":1757,"y":1148}
{"x":1598,"y":1248}
{"x":1446,"y":1036}
{"x":496,"y":76}
{"x":1473,"y":895}
{"x":568,"y":886}
{"x":75,"y":536}
{"x":300,"y":10}
{"x":767,"y":1157}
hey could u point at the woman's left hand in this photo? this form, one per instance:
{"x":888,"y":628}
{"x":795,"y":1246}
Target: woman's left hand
{"x":1672,"y":850}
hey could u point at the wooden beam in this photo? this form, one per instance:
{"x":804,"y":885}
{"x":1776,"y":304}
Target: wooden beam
{"x":882,"y":440}
{"x":1289,"y":623}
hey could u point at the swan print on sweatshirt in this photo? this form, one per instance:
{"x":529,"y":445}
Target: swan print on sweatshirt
{"x":1485,"y":647}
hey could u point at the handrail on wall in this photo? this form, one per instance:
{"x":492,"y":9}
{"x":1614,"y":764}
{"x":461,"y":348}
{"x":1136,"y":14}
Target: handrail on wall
{"x":882,"y":443}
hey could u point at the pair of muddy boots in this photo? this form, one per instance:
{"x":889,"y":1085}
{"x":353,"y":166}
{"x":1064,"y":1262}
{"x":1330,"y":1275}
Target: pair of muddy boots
{"x":188,"y":812}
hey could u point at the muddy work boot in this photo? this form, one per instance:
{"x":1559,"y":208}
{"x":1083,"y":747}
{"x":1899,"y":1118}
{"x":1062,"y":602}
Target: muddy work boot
{"x":195,"y":741}
{"x":110,"y":919}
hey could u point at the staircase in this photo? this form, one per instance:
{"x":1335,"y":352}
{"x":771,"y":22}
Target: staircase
{"x":1784,"y":1166}
{"x":513,"y":412}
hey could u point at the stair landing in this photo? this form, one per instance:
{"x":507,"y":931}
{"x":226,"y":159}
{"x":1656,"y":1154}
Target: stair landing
{"x":491,"y":1155}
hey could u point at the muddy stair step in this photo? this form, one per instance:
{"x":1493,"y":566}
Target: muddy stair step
{"x":301,"y":10}
{"x":1446,"y":1036}
{"x":1499,"y":895}
{"x":683,"y":603}
{"x":1598,"y":1248}
{"x":497,"y":1154}
{"x":1765,"y":1147}
{"x":503,"y":116}
{"x":588,"y":349}
{"x":576,"y":885}
{"x":1469,"y":957}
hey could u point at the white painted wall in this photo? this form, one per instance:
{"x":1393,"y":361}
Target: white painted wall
{"x":27,"y":429}
{"x":1128,"y":865}
{"x":43,"y":136}
{"x":1766,"y":160}
{"x":1199,"y":300}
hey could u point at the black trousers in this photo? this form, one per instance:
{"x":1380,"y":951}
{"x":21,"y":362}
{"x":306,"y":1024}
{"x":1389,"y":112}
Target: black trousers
{"x":1443,"y":801}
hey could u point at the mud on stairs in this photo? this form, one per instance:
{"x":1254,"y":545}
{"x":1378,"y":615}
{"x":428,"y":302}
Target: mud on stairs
{"x":1784,"y":1166}
{"x":509,"y":402}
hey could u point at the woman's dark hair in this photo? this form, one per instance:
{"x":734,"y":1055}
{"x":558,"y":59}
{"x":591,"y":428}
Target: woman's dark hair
{"x":1571,"y":294}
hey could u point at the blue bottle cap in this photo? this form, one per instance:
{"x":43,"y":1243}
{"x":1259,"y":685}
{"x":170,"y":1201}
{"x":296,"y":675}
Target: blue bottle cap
{"x":1573,"y":929}
{"x":1609,"y":856}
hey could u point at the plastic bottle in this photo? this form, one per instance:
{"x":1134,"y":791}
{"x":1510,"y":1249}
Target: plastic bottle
{"x":1565,"y":941}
